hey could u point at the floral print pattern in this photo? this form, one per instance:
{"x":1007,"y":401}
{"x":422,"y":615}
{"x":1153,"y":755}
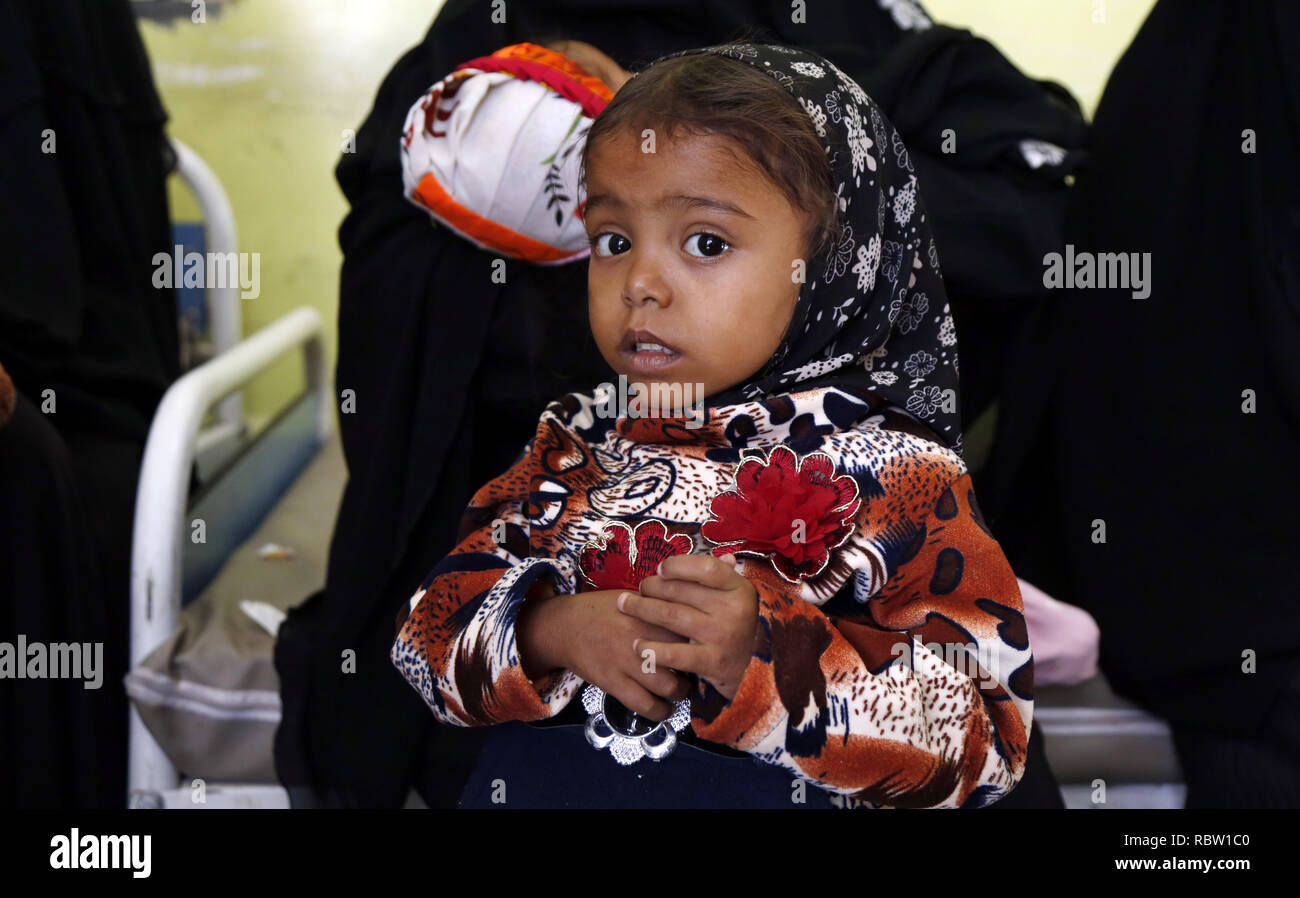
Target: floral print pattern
{"x":919,"y":363}
{"x":925,"y":401}
{"x":833,"y":106}
{"x":817,"y":115}
{"x":859,"y":143}
{"x":947,"y":333}
{"x":868,"y":264}
{"x":908,"y":312}
{"x":843,"y":255}
{"x":905,"y":203}
{"x":809,"y":68}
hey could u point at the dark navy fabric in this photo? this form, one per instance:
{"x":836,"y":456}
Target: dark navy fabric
{"x":555,"y":767}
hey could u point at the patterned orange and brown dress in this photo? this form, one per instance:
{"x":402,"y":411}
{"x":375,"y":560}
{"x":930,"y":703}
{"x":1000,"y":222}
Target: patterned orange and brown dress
{"x":900,"y":675}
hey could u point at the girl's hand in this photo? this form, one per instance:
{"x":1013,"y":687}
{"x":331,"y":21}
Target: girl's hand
{"x":707,"y":601}
{"x":587,"y":634}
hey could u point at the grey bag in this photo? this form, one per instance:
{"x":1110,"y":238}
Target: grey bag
{"x":210,"y":695}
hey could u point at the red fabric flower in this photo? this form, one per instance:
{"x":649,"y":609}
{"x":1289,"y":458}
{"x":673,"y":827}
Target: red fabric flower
{"x":790,"y":511}
{"x":622,"y":556}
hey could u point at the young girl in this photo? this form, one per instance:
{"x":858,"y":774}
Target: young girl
{"x":803,"y":580}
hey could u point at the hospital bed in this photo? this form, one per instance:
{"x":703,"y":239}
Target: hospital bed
{"x":168,"y":564}
{"x":206,"y":485}
{"x":202,"y":737}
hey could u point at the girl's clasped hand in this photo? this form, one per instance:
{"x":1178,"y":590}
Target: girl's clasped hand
{"x":708,"y":601}
{"x":698,"y":615}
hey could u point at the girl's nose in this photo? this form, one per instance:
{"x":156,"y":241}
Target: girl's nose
{"x":644,"y":283}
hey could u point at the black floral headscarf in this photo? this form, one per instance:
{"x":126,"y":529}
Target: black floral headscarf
{"x":873,"y":313}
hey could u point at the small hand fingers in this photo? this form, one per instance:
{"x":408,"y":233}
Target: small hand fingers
{"x":665,"y":684}
{"x":671,"y":656}
{"x":703,"y":569}
{"x":683,"y":592}
{"x":639,"y":699}
{"x":676,"y":616}
{"x":660,"y":634}
{"x":659,"y":679}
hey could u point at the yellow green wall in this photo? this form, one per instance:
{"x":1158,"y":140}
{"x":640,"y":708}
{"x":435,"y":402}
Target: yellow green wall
{"x":1075,"y":42}
{"x":264,"y":91}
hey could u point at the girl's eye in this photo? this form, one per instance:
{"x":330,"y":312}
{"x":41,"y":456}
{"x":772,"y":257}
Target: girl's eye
{"x":710,"y":245}
{"x":602,"y":247}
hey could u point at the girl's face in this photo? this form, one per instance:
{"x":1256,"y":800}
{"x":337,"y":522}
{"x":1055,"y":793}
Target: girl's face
{"x":691,"y":277}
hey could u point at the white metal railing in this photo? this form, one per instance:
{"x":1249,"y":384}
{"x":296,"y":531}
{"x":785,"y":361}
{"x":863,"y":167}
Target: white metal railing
{"x":162,"y":499}
{"x":219,"y":237}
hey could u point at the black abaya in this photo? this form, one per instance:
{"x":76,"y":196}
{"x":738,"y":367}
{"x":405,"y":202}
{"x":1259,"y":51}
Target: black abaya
{"x":91,"y":346}
{"x":1175,"y":419}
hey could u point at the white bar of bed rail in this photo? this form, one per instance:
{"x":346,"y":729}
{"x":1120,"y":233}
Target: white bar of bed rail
{"x":161,"y":500}
{"x":220,"y":237}
{"x":219,"y":796}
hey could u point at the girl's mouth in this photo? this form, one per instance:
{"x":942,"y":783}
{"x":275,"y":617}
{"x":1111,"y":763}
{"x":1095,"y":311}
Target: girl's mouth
{"x":647,"y":353}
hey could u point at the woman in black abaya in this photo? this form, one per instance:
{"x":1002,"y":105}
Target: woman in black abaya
{"x":1178,"y":414}
{"x":91,"y":345}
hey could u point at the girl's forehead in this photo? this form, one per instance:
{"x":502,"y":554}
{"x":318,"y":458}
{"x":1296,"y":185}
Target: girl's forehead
{"x":685,"y":164}
{"x":679,"y":144}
